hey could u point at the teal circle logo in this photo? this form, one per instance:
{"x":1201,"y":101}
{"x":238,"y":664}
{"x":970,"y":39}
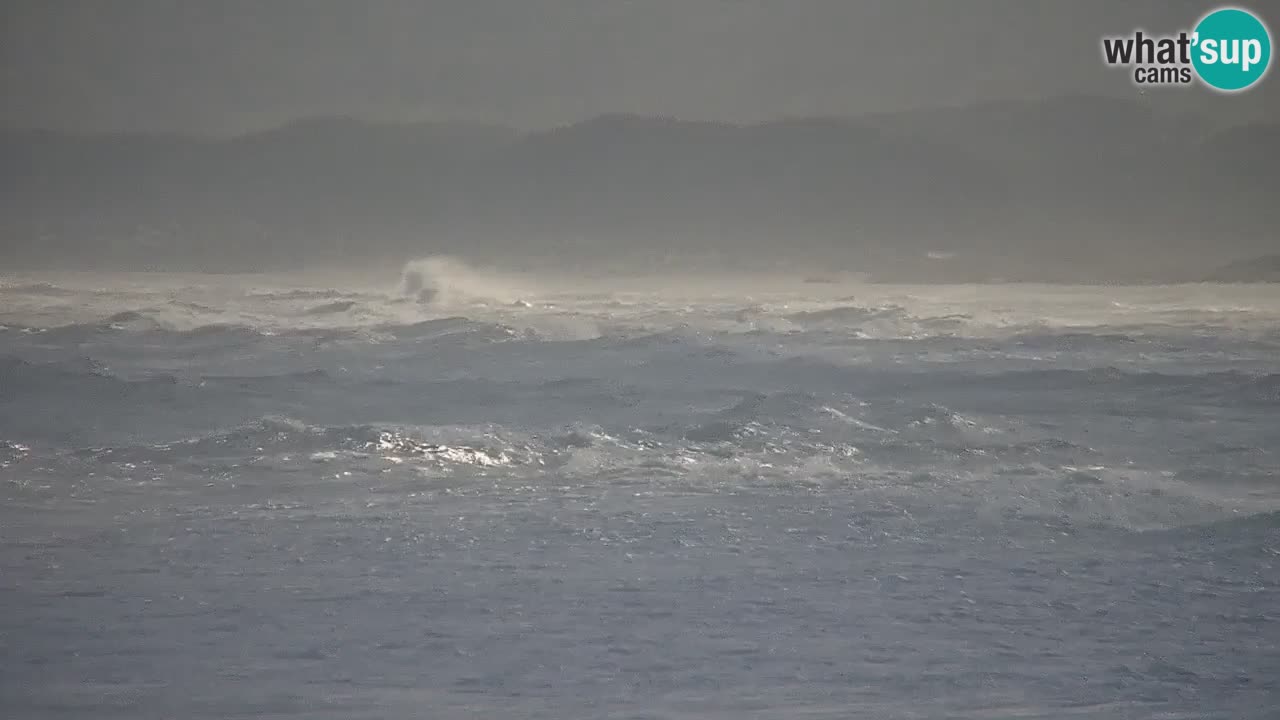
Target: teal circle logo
{"x":1231,"y":49}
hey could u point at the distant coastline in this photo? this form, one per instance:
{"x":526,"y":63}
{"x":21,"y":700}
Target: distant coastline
{"x":1065,"y":190}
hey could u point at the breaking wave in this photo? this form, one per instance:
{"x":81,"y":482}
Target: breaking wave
{"x":339,"y":306}
{"x":446,"y":281}
{"x":282,"y":439}
{"x":38,"y":288}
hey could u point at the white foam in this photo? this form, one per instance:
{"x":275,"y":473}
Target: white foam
{"x":446,"y":281}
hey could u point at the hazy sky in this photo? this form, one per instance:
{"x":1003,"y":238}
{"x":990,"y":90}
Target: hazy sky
{"x":229,"y":65}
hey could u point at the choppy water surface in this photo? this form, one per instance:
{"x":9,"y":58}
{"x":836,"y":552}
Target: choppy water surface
{"x":453,"y":495}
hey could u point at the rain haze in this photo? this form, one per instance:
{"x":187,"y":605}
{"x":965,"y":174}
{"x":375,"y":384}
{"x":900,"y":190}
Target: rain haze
{"x":239,"y":66}
{"x":647,"y":358}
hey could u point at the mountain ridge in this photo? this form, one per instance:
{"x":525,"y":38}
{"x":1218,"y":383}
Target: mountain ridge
{"x":1066,"y":188}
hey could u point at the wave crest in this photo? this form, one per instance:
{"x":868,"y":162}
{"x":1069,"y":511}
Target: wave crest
{"x":439,"y":280}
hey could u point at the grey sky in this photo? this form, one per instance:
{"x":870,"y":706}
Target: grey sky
{"x":232,"y":65}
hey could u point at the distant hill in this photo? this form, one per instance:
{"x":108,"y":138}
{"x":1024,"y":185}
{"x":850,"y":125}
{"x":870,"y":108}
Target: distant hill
{"x":1065,"y":189}
{"x":1260,"y":269}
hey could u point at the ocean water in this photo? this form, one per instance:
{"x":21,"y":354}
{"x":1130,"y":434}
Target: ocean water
{"x":454,"y":493}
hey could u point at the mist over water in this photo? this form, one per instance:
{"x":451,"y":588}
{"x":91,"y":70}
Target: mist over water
{"x":451,"y":491}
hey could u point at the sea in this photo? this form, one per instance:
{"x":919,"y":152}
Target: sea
{"x":449,"y":491}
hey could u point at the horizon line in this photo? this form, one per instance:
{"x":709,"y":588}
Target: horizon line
{"x":372,"y":120}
